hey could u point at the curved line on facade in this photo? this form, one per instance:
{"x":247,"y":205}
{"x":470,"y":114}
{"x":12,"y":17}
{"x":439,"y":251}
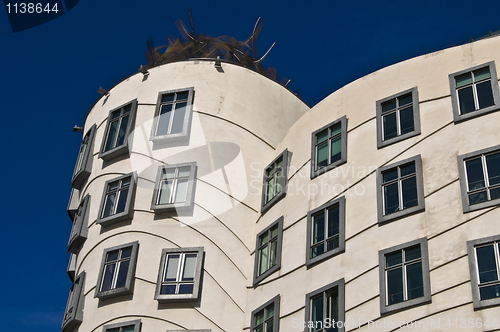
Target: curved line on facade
{"x":362,"y":303}
{"x":451,"y":287}
{"x":442,"y":187}
{"x":360,"y":275}
{"x":224,"y":290}
{"x":139,"y":316}
{"x":448,"y":262}
{"x":276,"y":278}
{"x":237,"y":125}
{"x":90,"y":290}
{"x":434,"y":99}
{"x":293,"y":312}
{"x":359,"y":125}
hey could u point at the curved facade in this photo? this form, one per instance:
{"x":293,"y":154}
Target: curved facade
{"x":227,"y":204}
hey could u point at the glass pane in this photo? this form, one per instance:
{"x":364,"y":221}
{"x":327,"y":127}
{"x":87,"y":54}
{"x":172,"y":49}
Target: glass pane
{"x":274,"y":231}
{"x":168,"y":173}
{"x":272,"y":254}
{"x":317,"y":312}
{"x":485,"y":94}
{"x":489,"y":292}
{"x":121,"y":132}
{"x":182,"y":95}
{"x":181,"y":193}
{"x":270,"y":189}
{"x":318,"y":250}
{"x":318,"y":228}
{"x":279,"y":181}
{"x":466,"y":100}
{"x":409,"y":188}
{"x":189,"y":267}
{"x":390,"y":175}
{"x":475,"y":177}
{"x":412,"y":253}
{"x":279,"y":162}
{"x":395,"y":286}
{"x":406,"y":99}
{"x":122,"y":201}
{"x":125,"y":182}
{"x":264,"y":255}
{"x":336,"y":152}
{"x":113,"y":186}
{"x":165,"y":188}
{"x":184,"y":171}
{"x":116,"y":114}
{"x":415,"y":281}
{"x":390,"y":126}
{"x":112,"y":256}
{"x":332,"y":244}
{"x":172,"y":265}
{"x":478,"y":197}
{"x":388,"y":105}
{"x":113,"y":129}
{"x":270,"y":311}
{"x":186,"y":288}
{"x":168,"y":97}
{"x":259,"y":328}
{"x":264,"y":238}
{"x":322,"y":155}
{"x":493,"y":165}
{"x":495,"y":193}
{"x":167,"y":289}
{"x":109,"y":272}
{"x":259,"y":317}
{"x":486,"y":264}
{"x":270,"y":326}
{"x":463,"y":79}
{"x":321,"y":136}
{"x":335,"y":129}
{"x":122,"y":274}
{"x":164,"y":120}
{"x":117,"y":330}
{"x":127,"y":329}
{"x":393,"y":259}
{"x":406,"y":119}
{"x":109,"y":205}
{"x":407,"y":169}
{"x":391,"y":198}
{"x":126,"y":253}
{"x":333,"y":221}
{"x":127,"y":109}
{"x":333,"y":305}
{"x":179,"y":114}
{"x":481,"y":74}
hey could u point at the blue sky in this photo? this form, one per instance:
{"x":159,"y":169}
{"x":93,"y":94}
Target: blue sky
{"x":50,"y":75}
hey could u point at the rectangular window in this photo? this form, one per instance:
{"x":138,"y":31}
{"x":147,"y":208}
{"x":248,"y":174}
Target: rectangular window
{"x":474,"y":91}
{"x":268,"y":251}
{"x":325,"y":308}
{"x":179,"y":275}
{"x":117,"y":271}
{"x":73,"y":315}
{"x":400,"y":189}
{"x":74,"y":202}
{"x":71,"y":269}
{"x":116,"y":203}
{"x":404,"y":276}
{"x":79,"y":231}
{"x":173,"y":116}
{"x":484,"y":262}
{"x":398,"y":117}
{"x":84,"y":161}
{"x":130,"y":326}
{"x":480,"y":178}
{"x":329,"y":147}
{"x":266,"y":317}
{"x":275,"y":180}
{"x":118,"y":128}
{"x":325,"y":231}
{"x":174,"y":189}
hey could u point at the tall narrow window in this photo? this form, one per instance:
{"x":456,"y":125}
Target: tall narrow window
{"x":329,"y":147}
{"x":474,"y":91}
{"x":118,"y":128}
{"x":79,"y":231}
{"x":73,"y":315}
{"x":325,"y":308}
{"x":268,"y":251}
{"x":266,"y":317}
{"x":275,"y":180}
{"x":116,"y":204}
{"x":180,"y":274}
{"x":83,"y":165}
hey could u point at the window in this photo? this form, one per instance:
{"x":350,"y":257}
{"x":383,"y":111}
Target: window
{"x":179,"y":277}
{"x":404,"y":276}
{"x":275,"y":180}
{"x":479,"y":174}
{"x":325,"y":231}
{"x":474,"y":91}
{"x":117,"y":200}
{"x":173,"y":116}
{"x":73,"y":203}
{"x":71,"y":267}
{"x":325,"y":307}
{"x":130,"y":326}
{"x":329,"y":147}
{"x":398,"y":117}
{"x":117,"y":271}
{"x":484,"y":263}
{"x":400,"y":189}
{"x":79,"y":230}
{"x":266,"y":318}
{"x":268,"y":251}
{"x":73,"y":315}
{"x":84,"y":161}
{"x":118,"y":128}
{"x":204,"y":330}
{"x":174,"y":189}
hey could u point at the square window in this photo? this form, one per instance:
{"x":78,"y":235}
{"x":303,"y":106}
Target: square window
{"x":479,"y":174}
{"x":404,"y":276}
{"x":71,"y":267}
{"x":117,"y":200}
{"x":73,"y":204}
{"x":179,"y":277}
{"x":275,"y":180}
{"x":398,"y":117}
{"x":325,"y":308}
{"x":484,"y":266}
{"x":268,"y":251}
{"x":174,"y":188}
{"x":400,"y":189}
{"x":79,"y":230}
{"x":130,"y":326}
{"x":266,"y":318}
{"x":474,"y":91}
{"x":117,"y":271}
{"x":118,"y":128}
{"x":73,"y":315}
{"x":83,"y":166}
{"x":325,"y":231}
{"x":172,"y":121}
{"x":329,"y":147}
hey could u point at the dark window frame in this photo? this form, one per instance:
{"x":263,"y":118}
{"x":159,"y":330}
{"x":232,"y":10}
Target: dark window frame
{"x":83,"y":166}
{"x":71,"y":269}
{"x":287,"y":156}
{"x":135,"y":323}
{"x":73,"y":314}
{"x":79,"y":231}
{"x":340,"y":286}
{"x":256,"y":277}
{"x":73,"y":203}
{"x":128,"y":211}
{"x":276,"y":317}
